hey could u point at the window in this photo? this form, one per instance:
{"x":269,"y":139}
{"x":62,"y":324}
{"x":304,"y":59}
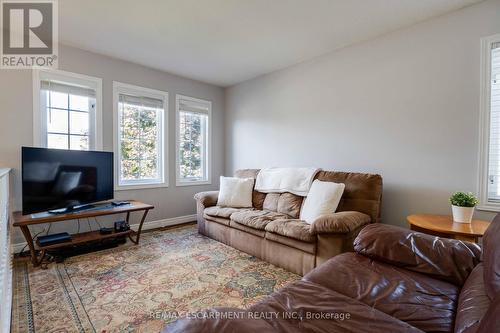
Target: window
{"x":489,"y":182}
{"x":193,"y":141}
{"x":140,"y":146}
{"x":66,"y":110}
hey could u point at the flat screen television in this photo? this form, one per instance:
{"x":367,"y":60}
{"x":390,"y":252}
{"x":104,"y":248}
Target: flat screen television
{"x":60,"y":181}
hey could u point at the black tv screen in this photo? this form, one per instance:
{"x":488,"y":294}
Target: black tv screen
{"x":55,"y":178}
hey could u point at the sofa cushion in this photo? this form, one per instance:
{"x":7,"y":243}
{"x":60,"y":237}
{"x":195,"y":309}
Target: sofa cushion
{"x":225,"y":212}
{"x":292,"y":242}
{"x":257,"y":219}
{"x":445,"y":259}
{"x":296,"y":229}
{"x":318,"y":309}
{"x":362,"y":193}
{"x":473,"y":302}
{"x":257,"y":197}
{"x":242,"y":227}
{"x":323,"y":198}
{"x":271,"y":202}
{"x":258,"y":200}
{"x":235,"y":192}
{"x":417,"y":299}
{"x":289,"y":204}
{"x":220,"y":220}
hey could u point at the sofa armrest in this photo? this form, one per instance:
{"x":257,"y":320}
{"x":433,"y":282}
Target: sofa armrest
{"x":207,"y":199}
{"x":444,"y":259}
{"x":339,"y":223}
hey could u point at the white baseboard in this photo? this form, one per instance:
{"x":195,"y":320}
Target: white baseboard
{"x":146,"y":226}
{"x":165,"y":222}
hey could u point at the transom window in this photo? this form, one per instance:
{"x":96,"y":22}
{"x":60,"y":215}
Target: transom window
{"x":140,"y":115}
{"x":67,"y":112}
{"x":193,"y":141}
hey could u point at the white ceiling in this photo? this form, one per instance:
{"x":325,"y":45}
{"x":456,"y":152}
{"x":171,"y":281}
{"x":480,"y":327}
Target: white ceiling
{"x":224,"y":42}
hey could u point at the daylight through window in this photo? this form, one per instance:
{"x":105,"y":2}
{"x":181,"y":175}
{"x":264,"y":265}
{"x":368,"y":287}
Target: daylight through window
{"x":193,"y":140}
{"x":68,"y":111}
{"x":140,"y":138}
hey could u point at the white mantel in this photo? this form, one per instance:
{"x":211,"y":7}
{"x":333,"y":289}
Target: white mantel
{"x":5,"y":254}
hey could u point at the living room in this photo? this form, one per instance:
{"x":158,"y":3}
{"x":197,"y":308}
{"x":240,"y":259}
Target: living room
{"x":220,"y":166}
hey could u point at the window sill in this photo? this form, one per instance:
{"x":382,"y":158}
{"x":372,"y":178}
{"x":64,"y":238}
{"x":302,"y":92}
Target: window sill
{"x":194,"y":183}
{"x":139,"y":186}
{"x":490,"y":207}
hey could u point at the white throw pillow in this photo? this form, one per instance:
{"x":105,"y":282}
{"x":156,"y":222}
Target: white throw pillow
{"x":235,"y":192}
{"x":323,"y":198}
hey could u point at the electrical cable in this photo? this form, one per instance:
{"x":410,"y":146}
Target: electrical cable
{"x":48,"y":229}
{"x":34,"y":239}
{"x":95,"y":219}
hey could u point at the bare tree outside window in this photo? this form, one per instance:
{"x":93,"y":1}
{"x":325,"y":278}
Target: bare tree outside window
{"x":193,"y":119}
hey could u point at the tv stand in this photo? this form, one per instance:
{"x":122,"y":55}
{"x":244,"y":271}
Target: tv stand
{"x":37,"y":252}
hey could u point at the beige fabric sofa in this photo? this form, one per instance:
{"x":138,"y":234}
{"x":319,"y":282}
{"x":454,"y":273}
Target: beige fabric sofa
{"x":271,"y":229}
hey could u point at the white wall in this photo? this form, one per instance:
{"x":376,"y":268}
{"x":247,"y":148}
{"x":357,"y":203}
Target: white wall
{"x":16,"y":124}
{"x":405,"y":105}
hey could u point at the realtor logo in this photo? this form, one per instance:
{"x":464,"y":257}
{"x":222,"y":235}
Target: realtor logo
{"x":29,"y":34}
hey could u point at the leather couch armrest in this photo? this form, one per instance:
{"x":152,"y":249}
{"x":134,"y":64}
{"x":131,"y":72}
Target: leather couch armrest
{"x":339,"y":223}
{"x":445,"y":259}
{"x":207,"y":199}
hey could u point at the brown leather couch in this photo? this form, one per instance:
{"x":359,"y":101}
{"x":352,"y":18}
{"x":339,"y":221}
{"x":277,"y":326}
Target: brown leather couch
{"x":272,"y":231}
{"x":396,"y":281}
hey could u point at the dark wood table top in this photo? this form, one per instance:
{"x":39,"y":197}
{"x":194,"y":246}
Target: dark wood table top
{"x":37,"y":218}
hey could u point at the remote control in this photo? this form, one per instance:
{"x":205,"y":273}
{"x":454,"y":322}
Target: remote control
{"x":120,"y":203}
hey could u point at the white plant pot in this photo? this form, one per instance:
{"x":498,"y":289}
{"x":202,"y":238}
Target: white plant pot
{"x":462,"y":214}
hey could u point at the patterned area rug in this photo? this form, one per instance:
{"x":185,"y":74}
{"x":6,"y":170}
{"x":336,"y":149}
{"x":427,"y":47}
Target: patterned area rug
{"x":140,"y":288}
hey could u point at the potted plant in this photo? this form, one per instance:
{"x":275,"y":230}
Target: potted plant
{"x":462,"y":206}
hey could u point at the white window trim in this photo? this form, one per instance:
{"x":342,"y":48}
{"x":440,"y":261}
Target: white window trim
{"x":39,"y":126}
{"x":484,"y":124}
{"x":178,"y":181}
{"x":119,"y":87}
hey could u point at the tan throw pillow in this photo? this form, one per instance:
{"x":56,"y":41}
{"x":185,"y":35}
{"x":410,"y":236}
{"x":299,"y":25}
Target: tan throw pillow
{"x":235,"y":192}
{"x":323,"y":198}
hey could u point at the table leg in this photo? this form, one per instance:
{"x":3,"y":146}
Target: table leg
{"x":31,"y":245}
{"x":138,"y":233}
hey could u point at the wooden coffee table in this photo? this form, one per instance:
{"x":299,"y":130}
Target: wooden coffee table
{"x":443,"y":226}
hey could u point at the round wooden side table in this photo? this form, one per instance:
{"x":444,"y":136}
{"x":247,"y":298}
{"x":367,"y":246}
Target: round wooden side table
{"x":443,"y":226}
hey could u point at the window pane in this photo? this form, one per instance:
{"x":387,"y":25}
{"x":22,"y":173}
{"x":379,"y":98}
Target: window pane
{"x":130,"y":159}
{"x":58,"y":100}
{"x":130,"y":170}
{"x":494,"y":151}
{"x":78,"y":103}
{"x":192,"y":145}
{"x":57,"y":121}
{"x":57,"y":141}
{"x":79,"y":123}
{"x":67,"y":108}
{"x":149,"y":169}
{"x":140,"y":148}
{"x":78,"y":142}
